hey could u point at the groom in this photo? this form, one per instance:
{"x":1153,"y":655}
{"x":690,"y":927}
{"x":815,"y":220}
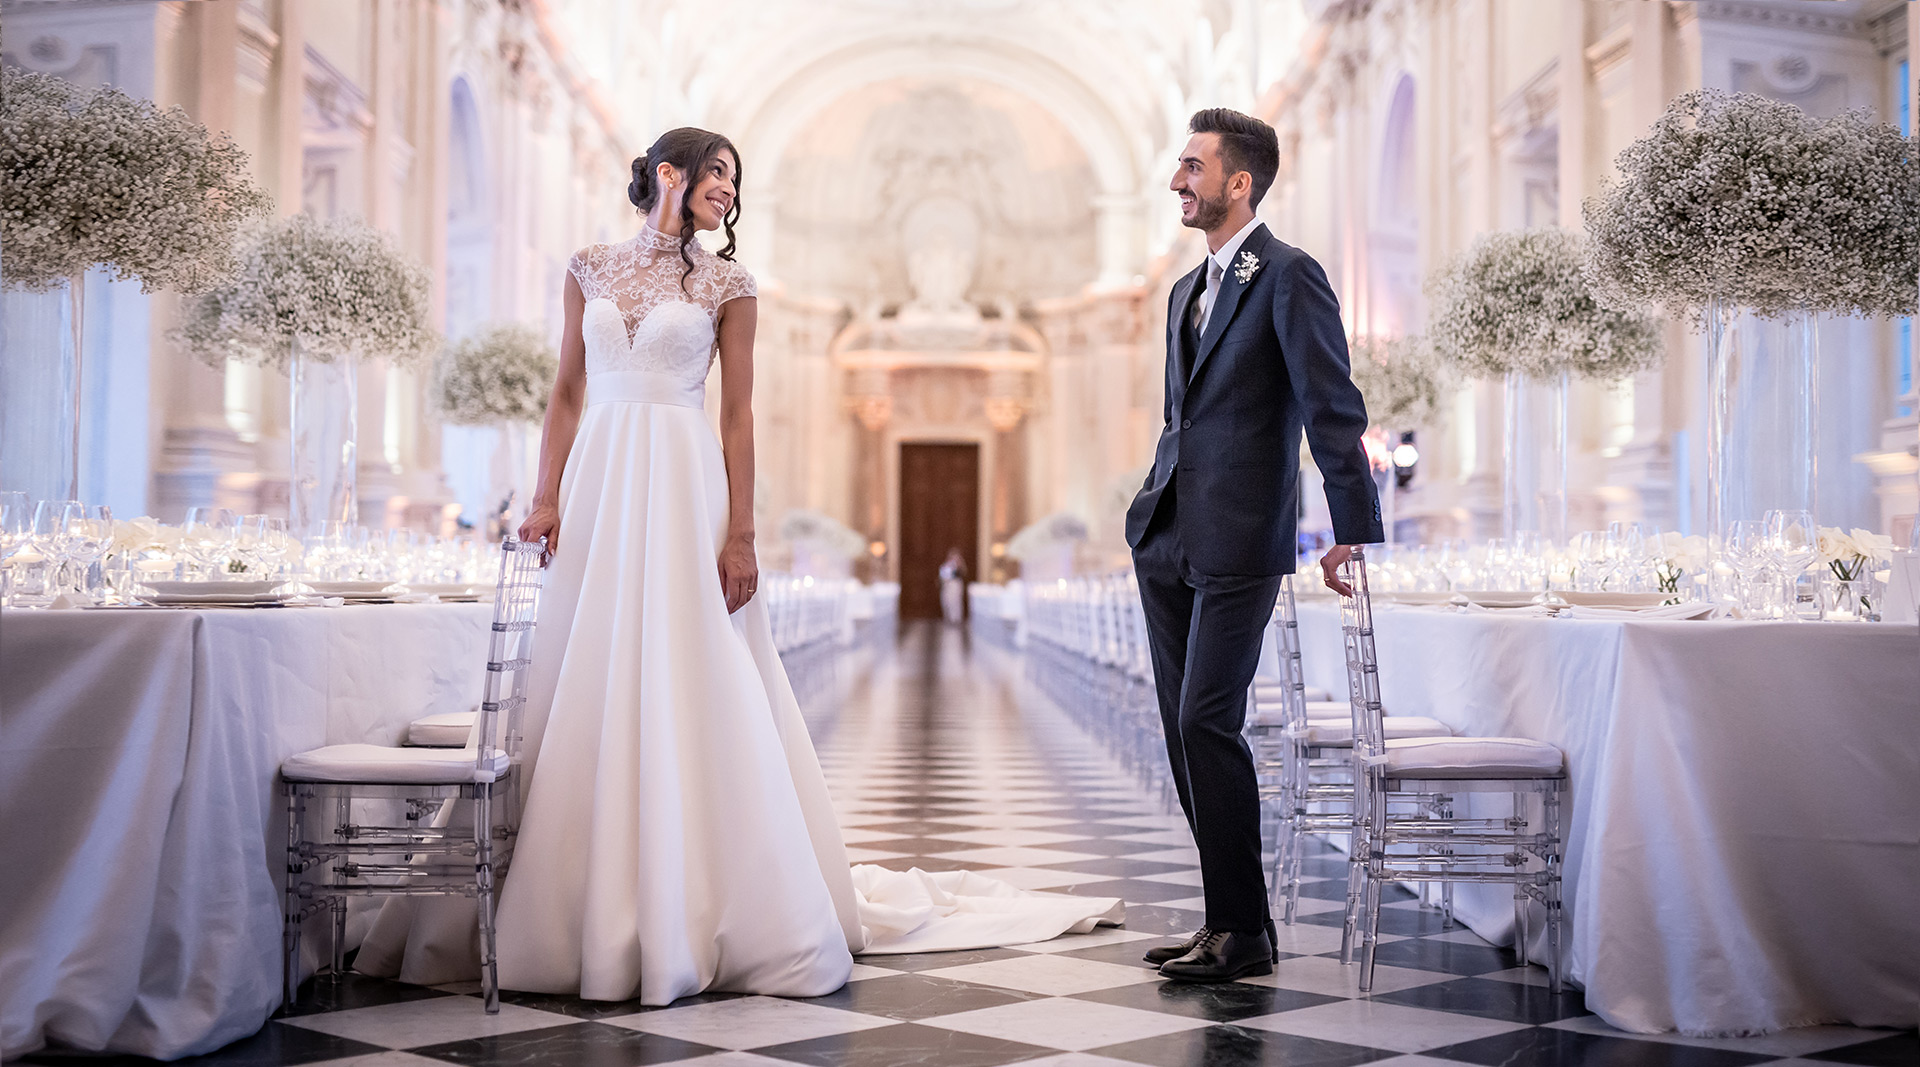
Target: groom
{"x":1256,"y":354}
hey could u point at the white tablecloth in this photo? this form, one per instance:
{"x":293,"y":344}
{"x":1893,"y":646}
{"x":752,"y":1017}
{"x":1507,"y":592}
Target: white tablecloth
{"x":139,"y":896}
{"x":1743,"y":844}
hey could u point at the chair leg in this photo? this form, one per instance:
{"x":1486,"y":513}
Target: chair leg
{"x":1355,"y":872}
{"x":290,"y":935}
{"x":483,"y":884}
{"x":1555,"y":965}
{"x":1371,"y":930}
{"x":339,"y":937}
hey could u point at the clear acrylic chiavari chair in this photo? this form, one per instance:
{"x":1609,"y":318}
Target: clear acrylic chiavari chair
{"x":343,"y":836}
{"x":1427,"y":774}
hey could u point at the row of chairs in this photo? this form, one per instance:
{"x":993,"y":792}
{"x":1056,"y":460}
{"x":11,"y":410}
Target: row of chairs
{"x":438,"y":814}
{"x":1393,"y":788}
{"x":1086,"y":645}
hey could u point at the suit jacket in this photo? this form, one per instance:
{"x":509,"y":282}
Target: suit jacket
{"x":1271,"y":366}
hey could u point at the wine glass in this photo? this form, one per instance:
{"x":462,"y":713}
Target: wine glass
{"x":265,"y":543}
{"x":16,"y":533}
{"x":1793,"y":543}
{"x":207,"y":539}
{"x":84,"y":532}
{"x":1746,"y":552}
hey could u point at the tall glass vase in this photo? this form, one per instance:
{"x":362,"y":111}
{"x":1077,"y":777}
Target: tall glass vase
{"x":1763,"y":395}
{"x":40,"y":390}
{"x":1536,"y":456}
{"x":324,"y":424}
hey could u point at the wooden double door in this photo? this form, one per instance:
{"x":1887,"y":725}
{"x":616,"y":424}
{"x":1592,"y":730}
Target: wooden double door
{"x":939,"y":512}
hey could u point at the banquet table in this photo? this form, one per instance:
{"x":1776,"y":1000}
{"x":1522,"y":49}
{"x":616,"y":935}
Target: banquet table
{"x":140,"y":906}
{"x":1743,"y":830}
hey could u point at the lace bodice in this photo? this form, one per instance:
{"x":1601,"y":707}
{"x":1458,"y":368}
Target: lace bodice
{"x":638,"y":317}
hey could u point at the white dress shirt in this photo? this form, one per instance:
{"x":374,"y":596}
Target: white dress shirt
{"x":1217,"y":266}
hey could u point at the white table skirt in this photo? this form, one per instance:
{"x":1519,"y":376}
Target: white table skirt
{"x":1743,"y":832}
{"x":139,"y":894}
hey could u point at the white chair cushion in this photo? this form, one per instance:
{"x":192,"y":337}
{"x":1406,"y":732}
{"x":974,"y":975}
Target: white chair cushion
{"x":1340,"y":731}
{"x":449,"y":729}
{"x":1264,"y":691}
{"x":1329,"y":709}
{"x":1274,"y":716}
{"x":383,"y":764}
{"x":1472,"y":757}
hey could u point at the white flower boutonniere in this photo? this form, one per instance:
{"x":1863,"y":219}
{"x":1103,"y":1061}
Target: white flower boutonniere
{"x":1247,"y":264}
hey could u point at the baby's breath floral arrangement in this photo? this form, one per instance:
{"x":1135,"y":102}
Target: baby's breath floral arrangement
{"x":1748,"y":201}
{"x":501,"y":374}
{"x":822,"y":533}
{"x":1040,"y":537}
{"x":1519,"y":302}
{"x":336,"y":288}
{"x":1403,"y":381}
{"x":94,"y":176}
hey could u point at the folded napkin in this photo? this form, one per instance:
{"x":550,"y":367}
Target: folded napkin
{"x":314,"y":601}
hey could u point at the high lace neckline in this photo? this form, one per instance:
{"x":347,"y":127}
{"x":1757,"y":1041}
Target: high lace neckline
{"x":648,"y":237}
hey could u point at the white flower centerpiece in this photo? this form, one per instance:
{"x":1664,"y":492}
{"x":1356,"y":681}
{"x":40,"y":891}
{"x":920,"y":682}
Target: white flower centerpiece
{"x":314,"y":298}
{"x":1860,"y":562}
{"x":1735,"y":209}
{"x":503,"y":374}
{"x":1404,"y":384}
{"x":1518,"y":306}
{"x":95,"y":177}
{"x":1681,"y":558}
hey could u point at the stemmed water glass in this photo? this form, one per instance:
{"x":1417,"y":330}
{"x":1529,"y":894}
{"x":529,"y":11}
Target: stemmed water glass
{"x":1792,"y":545}
{"x":207,"y":539}
{"x":16,"y":534}
{"x":83,"y":534}
{"x":264,"y":543}
{"x":1746,"y":552}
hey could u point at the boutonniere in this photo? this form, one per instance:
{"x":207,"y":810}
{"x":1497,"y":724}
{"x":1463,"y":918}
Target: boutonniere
{"x":1244,"y":269}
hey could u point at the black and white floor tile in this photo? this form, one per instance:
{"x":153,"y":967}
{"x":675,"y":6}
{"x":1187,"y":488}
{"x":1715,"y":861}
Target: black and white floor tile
{"x":940,"y":757}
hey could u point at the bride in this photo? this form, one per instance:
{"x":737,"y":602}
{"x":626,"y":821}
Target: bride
{"x":677,"y":834}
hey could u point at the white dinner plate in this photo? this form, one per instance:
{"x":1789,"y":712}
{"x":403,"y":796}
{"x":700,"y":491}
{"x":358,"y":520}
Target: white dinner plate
{"x":443,"y":590}
{"x":354,"y":590}
{"x":1628,"y":601}
{"x":218,"y":588}
{"x":1417,"y":597}
{"x":215,"y":600}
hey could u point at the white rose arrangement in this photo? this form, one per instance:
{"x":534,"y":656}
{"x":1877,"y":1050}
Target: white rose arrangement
{"x":334,"y":288}
{"x":1679,"y":556}
{"x":1402,"y":379}
{"x":1520,"y":302}
{"x":1749,"y":201}
{"x":94,"y":176}
{"x":501,"y":374}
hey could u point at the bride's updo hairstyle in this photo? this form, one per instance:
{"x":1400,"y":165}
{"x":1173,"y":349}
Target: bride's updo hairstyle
{"x":691,"y":151}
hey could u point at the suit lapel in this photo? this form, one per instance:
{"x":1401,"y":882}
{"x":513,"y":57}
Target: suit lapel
{"x":1179,"y":357}
{"x":1228,"y":300}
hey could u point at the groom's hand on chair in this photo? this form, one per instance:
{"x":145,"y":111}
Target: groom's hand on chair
{"x":1330,"y":565}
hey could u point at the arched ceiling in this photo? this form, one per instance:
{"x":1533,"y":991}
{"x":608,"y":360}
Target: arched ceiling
{"x":1119,"y":76}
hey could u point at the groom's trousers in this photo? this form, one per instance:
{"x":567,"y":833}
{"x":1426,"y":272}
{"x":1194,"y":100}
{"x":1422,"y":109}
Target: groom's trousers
{"x":1204,"y":632}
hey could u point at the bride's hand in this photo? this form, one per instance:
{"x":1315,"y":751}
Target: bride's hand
{"x":542,"y":521}
{"x":739,"y":572}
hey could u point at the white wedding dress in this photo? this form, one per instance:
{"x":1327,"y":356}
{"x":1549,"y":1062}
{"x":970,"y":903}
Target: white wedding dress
{"x":677,"y":834}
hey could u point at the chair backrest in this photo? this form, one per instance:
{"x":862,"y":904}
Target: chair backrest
{"x":1286,"y":631}
{"x":1363,"y":663}
{"x":516,"y":604}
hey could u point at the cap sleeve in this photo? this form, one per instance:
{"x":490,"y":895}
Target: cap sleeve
{"x":581,"y":267}
{"x":737,"y":281}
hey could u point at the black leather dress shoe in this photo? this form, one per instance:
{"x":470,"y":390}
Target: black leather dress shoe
{"x":1162,"y":953}
{"x":1222,"y":956}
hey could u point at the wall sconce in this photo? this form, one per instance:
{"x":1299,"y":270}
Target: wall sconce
{"x":1405,"y":458}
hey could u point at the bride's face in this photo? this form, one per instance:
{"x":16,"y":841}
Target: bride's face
{"x":712,"y":193}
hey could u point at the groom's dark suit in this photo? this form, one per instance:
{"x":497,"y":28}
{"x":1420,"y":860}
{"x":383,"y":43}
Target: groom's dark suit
{"x":1213,"y":529}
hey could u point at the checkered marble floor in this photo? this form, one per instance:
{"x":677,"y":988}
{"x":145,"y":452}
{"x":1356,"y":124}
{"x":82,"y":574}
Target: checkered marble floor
{"x":941,"y":757}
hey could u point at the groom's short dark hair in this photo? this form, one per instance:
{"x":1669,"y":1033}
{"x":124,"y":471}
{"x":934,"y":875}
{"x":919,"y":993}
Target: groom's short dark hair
{"x":1246,"y":144}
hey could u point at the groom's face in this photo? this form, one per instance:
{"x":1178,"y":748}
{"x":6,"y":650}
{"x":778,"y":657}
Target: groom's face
{"x":1202,"y":182}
